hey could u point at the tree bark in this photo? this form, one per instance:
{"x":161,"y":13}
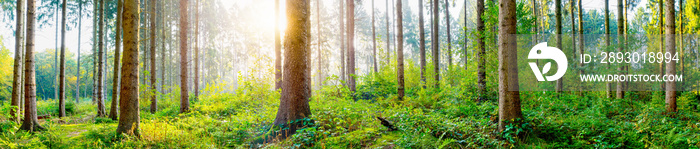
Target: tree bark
{"x":294,"y":99}
{"x":196,"y":52}
{"x":95,"y":28}
{"x":17,"y":73}
{"x":436,"y":42}
{"x":153,"y":57}
{"x":129,"y":119}
{"x":480,"y":54}
{"x":30,"y":122}
{"x":77,"y":73}
{"x":670,"y":48}
{"x":113,"y":113}
{"x":351,"y":44}
{"x":374,"y":42}
{"x":620,"y":31}
{"x":100,"y":64}
{"x":278,"y":48}
{"x":508,"y":95}
{"x":318,"y":37}
{"x":388,"y":36}
{"x":421,"y":31}
{"x":399,"y":49}
{"x":449,"y":39}
{"x":184,"y":97}
{"x":557,"y":5}
{"x":607,"y":42}
{"x":343,"y":75}
{"x":62,"y":74}
{"x":580,"y":36}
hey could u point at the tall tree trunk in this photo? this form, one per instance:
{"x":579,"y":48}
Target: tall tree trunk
{"x":580,"y":36}
{"x":481,"y":52}
{"x":464,"y":48}
{"x":557,"y":6}
{"x":278,"y":48}
{"x":17,"y":73}
{"x":343,"y":75}
{"x":196,"y":52}
{"x":162,"y":51}
{"x":436,"y":42}
{"x":421,"y":30}
{"x":449,"y":39}
{"x":77,"y":73}
{"x":100,"y":64}
{"x":661,"y":36}
{"x":399,"y":49}
{"x":607,"y":42}
{"x":374,"y":42}
{"x":30,"y":122}
{"x":351,"y":44}
{"x":508,"y":95}
{"x":573,"y":27}
{"x":184,"y":97}
{"x":95,"y":28}
{"x":153,"y":57}
{"x":296,"y":90}
{"x":388,"y":36}
{"x":129,"y":119}
{"x":620,"y":31}
{"x":62,"y":74}
{"x":318,"y":37}
{"x":113,"y":113}
{"x":55,"y":58}
{"x":670,"y":48}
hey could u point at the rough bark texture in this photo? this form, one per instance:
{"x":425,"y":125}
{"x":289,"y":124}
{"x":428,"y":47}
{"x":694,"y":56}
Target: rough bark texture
{"x":278,"y":48}
{"x":374,"y":42}
{"x":508,"y":96}
{"x":399,"y":49}
{"x":153,"y":57}
{"x":30,"y":122}
{"x":184,"y":97}
{"x":607,"y":42}
{"x":436,"y":42}
{"x":620,"y":30}
{"x":62,"y":74}
{"x":351,"y":44}
{"x":449,"y":39}
{"x":113,"y":113}
{"x":670,"y":48}
{"x":17,"y":73}
{"x":100,"y":64}
{"x":94,"y":50}
{"x":294,"y":99}
{"x":421,"y":31}
{"x":557,"y":5}
{"x":481,"y":51}
{"x":129,"y":118}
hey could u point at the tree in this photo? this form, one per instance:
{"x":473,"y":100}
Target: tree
{"x":100,"y":63}
{"x":351,"y":44}
{"x":17,"y":73}
{"x":153,"y":53}
{"x":30,"y":122}
{"x":184,"y":97}
{"x":607,"y":41}
{"x":557,"y":6}
{"x":670,"y":48}
{"x":480,"y":54}
{"x":399,"y":49}
{"x":388,"y":36}
{"x":580,"y":33}
{"x":294,"y":98}
{"x":319,"y":41}
{"x":115,"y":78}
{"x":342,"y":41}
{"x":196,"y":53}
{"x":129,"y":119}
{"x":620,"y":30}
{"x":508,"y":96}
{"x":449,"y":41}
{"x":436,"y":42}
{"x":374,"y":42}
{"x":77,"y":73}
{"x":278,"y":48}
{"x":421,"y":30}
{"x":95,"y":28}
{"x":62,"y":74}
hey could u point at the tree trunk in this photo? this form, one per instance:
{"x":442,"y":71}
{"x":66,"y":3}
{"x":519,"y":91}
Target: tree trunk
{"x":294,"y":99}
{"x":580,"y":35}
{"x":374,"y":42}
{"x":351,"y":44}
{"x":421,"y":30}
{"x":17,"y":73}
{"x":95,"y":28}
{"x":30,"y":122}
{"x":115,"y":77}
{"x":670,"y":48}
{"x":607,"y":42}
{"x":278,"y":48}
{"x":449,"y":39}
{"x":77,"y":73}
{"x":464,"y":48}
{"x":55,"y":64}
{"x":343,"y":75}
{"x":661,"y":34}
{"x":557,"y":6}
{"x":100,"y":64}
{"x":508,"y":95}
{"x":162,"y":52}
{"x":153,"y":57}
{"x":184,"y":97}
{"x":620,"y":30}
{"x":388,"y":36}
{"x":436,"y":42}
{"x":129,"y":120}
{"x":481,"y":52}
{"x":62,"y":74}
{"x":399,"y":49}
{"x":318,"y":38}
{"x":196,"y":53}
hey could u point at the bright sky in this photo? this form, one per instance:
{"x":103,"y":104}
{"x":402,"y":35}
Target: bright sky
{"x":45,"y":37}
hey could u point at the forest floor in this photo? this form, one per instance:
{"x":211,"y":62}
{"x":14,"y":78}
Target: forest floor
{"x":425,"y":119}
